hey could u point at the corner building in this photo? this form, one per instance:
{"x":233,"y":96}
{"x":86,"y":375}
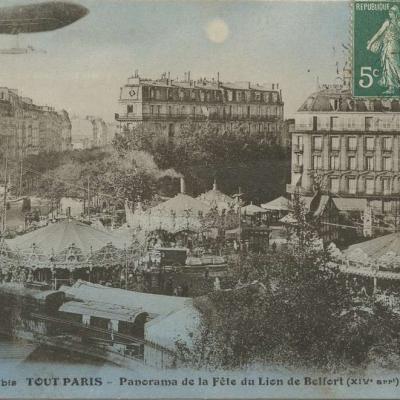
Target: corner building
{"x":349,"y":147}
{"x":163,"y":105}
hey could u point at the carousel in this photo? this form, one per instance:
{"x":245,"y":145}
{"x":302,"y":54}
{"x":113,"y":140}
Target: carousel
{"x":66,"y":251}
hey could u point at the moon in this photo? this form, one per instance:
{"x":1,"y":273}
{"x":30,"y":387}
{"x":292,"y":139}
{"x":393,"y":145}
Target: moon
{"x":217,"y":30}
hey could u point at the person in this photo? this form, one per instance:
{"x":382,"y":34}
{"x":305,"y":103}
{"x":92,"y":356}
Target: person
{"x":386,"y":43}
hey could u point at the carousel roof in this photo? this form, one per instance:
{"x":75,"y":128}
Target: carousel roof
{"x":279,"y":204}
{"x":55,"y":238}
{"x":378,"y":247}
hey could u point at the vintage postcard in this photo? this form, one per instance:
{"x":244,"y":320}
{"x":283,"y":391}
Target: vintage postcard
{"x":199,"y":199}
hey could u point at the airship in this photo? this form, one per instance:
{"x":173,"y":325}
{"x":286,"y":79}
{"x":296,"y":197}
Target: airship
{"x":34,"y":18}
{"x":41,"y":17}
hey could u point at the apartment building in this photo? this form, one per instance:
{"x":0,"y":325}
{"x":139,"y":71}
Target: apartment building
{"x":164,"y":104}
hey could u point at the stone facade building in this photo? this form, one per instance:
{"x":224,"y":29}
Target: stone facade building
{"x":26,"y":128}
{"x":163,"y":105}
{"x":347,"y":147}
{"x":90,"y":132}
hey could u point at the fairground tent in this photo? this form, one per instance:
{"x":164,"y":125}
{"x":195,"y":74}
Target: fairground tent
{"x":68,"y":244}
{"x":54,"y":238}
{"x":182,"y":212}
{"x":279,"y":204}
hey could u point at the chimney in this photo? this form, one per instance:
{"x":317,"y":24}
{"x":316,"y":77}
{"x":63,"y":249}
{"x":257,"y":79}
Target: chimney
{"x":273,"y":86}
{"x":277,"y":86}
{"x":215,"y":184}
{"x":183,"y":185}
{"x":188,"y":76}
{"x":218,"y":79}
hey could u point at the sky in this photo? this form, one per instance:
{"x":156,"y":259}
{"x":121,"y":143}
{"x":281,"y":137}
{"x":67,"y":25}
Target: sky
{"x":86,"y":63}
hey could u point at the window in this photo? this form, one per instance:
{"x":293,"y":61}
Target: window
{"x":352,"y":143}
{"x":171,"y":130}
{"x":315,"y":123}
{"x":335,"y":143}
{"x":317,"y":142}
{"x":130,"y":109}
{"x":152,"y":110}
{"x":387,"y":206}
{"x":334,"y":161}
{"x":351,"y":123}
{"x":386,"y":185}
{"x":352,"y":163}
{"x":369,"y":163}
{"x":317,"y":162}
{"x":158,"y":110}
{"x":369,"y":143}
{"x":334,"y":185}
{"x":368,"y":123}
{"x":369,"y":186}
{"x":299,"y":159}
{"x":170,"y":110}
{"x":194,"y":110}
{"x":300,"y":140}
{"x":387,"y":143}
{"x":352,"y":185}
{"x":334,"y":123}
{"x":387,"y":163}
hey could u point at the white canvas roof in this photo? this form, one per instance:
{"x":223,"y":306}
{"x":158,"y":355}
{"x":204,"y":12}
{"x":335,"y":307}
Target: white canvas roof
{"x":153,"y":304}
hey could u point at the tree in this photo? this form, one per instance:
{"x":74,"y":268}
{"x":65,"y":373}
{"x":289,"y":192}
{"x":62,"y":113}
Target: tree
{"x":201,"y":151}
{"x":290,"y":307}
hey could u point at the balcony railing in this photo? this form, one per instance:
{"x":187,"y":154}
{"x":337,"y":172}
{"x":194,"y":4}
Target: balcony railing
{"x":193,"y":117}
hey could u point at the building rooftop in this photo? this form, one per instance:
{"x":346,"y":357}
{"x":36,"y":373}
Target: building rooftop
{"x":203,"y":83}
{"x":153,"y":304}
{"x":339,"y":98}
{"x":101,"y":309}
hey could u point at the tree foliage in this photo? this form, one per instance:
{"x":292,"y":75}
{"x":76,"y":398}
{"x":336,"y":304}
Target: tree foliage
{"x":201,"y":152}
{"x":105,"y":173}
{"x":291,"y":307}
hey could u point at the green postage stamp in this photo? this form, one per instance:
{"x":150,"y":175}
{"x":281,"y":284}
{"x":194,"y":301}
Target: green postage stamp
{"x":376,"y":48}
